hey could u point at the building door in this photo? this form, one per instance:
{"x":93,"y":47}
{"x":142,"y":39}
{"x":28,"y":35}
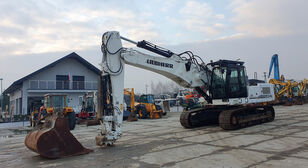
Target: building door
{"x":62,"y":82}
{"x":17,"y":107}
{"x":78,"y":82}
{"x":34,"y":104}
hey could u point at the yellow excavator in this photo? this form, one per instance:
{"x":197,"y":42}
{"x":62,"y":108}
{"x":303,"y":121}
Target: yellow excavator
{"x":286,"y":92}
{"x":301,"y":95}
{"x":303,"y":88}
{"x":289,"y":92}
{"x":283,"y":90}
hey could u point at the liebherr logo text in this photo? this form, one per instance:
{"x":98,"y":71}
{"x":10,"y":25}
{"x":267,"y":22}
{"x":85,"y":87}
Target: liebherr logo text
{"x":157,"y":63}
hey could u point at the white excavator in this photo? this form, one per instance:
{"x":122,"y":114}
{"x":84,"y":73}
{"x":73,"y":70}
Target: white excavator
{"x":231,"y":103}
{"x":224,"y":85}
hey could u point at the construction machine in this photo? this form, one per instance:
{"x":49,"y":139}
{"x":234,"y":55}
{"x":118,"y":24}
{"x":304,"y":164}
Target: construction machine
{"x":287,"y":92}
{"x":274,"y":64}
{"x":129,"y":100}
{"x":51,"y":138}
{"x":147,"y":108}
{"x":89,"y":106}
{"x":88,"y":112}
{"x":301,"y":96}
{"x":52,"y":103}
{"x":230,"y":101}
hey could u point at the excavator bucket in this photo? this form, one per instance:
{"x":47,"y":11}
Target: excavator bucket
{"x":53,"y":139}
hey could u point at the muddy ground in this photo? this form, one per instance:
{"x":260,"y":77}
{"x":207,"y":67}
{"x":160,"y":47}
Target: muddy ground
{"x":164,"y":143}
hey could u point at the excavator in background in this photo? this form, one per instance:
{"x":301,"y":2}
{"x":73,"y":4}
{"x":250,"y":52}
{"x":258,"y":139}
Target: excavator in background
{"x":129,"y":111}
{"x":283,"y":91}
{"x":303,"y":88}
{"x":286,"y":92}
{"x":88,"y":112}
{"x":89,"y":106}
{"x":301,"y":96}
{"x":275,"y":63}
{"x":230,"y":101}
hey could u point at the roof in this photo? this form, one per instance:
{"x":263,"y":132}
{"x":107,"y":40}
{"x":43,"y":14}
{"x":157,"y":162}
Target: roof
{"x":72,"y":55}
{"x":254,"y":82}
{"x":226,"y":63}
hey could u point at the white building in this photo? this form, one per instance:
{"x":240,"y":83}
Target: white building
{"x":71,"y":75}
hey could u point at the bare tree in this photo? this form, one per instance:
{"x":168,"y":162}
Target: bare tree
{"x":164,"y":88}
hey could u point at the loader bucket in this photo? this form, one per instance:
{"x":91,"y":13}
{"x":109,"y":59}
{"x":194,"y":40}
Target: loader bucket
{"x":53,"y":139}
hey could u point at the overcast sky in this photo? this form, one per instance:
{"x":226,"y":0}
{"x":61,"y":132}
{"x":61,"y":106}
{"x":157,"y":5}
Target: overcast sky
{"x":36,"y":33}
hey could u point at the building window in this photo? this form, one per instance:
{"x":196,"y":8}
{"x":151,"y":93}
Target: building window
{"x":62,"y":82}
{"x":78,"y":82}
{"x":33,"y":84}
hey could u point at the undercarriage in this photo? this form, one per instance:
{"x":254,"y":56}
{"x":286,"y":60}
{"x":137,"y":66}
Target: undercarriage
{"x":228,"y":117}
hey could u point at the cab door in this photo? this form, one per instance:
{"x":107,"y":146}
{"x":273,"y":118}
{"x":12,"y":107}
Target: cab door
{"x":236,"y":86}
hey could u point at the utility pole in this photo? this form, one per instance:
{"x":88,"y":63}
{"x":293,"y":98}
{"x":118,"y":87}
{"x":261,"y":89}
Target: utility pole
{"x":146,"y":88}
{"x":255,"y":75}
{"x":264,"y":73}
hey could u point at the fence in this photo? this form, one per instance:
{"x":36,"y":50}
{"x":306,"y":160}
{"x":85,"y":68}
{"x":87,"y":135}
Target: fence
{"x":62,"y":85}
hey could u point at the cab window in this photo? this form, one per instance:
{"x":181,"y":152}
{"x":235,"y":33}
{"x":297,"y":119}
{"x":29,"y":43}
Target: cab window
{"x":218,"y":87}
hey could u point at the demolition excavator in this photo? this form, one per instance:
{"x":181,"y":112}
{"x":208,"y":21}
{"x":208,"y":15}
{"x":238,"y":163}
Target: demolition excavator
{"x":231,"y":103}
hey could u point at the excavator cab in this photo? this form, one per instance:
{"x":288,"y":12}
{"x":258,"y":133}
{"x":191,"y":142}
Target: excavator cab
{"x":228,"y":80}
{"x":53,"y":138}
{"x":147,"y":98}
{"x":57,"y":102}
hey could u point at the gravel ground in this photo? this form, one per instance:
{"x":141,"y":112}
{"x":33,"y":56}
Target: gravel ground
{"x":164,"y":143}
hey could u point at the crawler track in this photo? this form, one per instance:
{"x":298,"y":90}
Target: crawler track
{"x":245,"y":117}
{"x":199,"y":117}
{"x":228,"y":119}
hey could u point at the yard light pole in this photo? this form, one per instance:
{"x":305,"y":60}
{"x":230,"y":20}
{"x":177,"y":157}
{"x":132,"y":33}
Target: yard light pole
{"x":146,"y":89}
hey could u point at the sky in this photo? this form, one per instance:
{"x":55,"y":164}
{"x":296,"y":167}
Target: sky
{"x":35,"y":33}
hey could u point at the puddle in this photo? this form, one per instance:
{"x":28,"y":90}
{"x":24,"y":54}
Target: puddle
{"x":14,"y":132}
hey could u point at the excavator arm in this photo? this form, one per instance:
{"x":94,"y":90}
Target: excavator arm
{"x":186,"y":72}
{"x":275,"y":63}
